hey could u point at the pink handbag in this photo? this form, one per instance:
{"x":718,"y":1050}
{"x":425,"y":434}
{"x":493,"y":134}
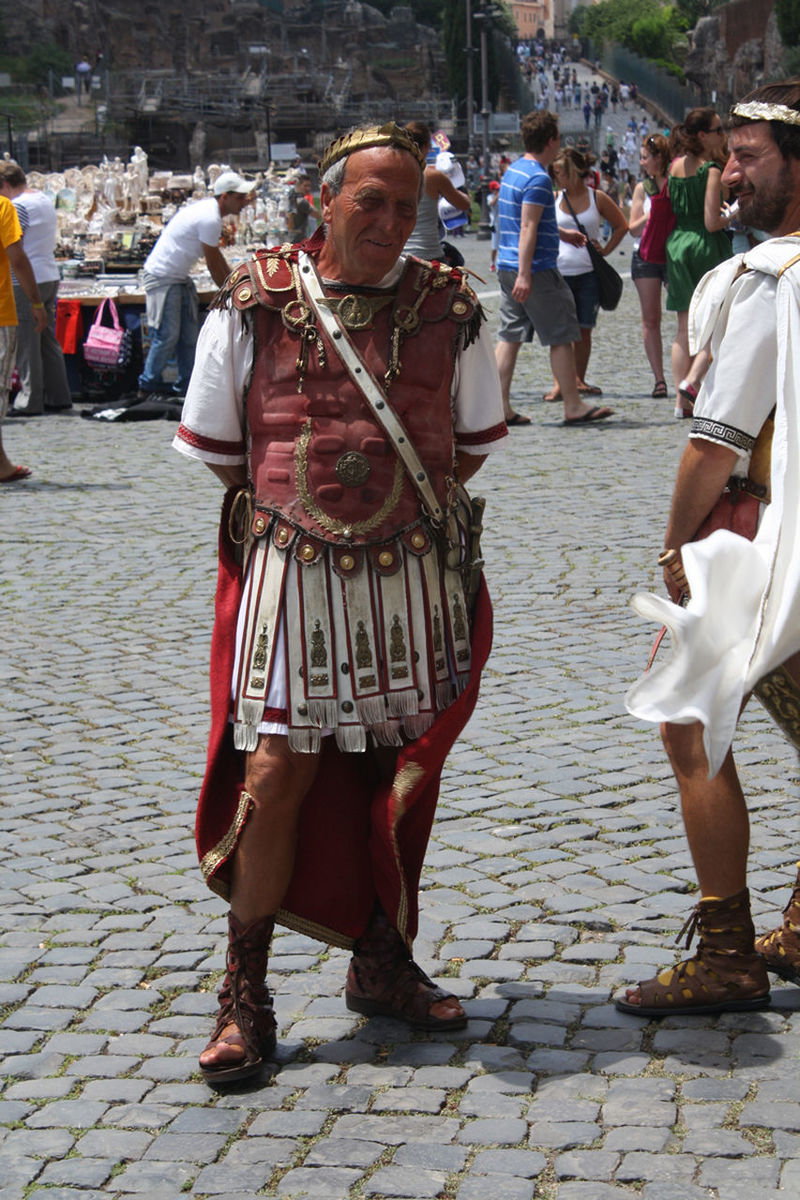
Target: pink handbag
{"x":106,"y":348}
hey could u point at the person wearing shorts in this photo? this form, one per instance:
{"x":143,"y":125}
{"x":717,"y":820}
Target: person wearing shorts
{"x":12,"y":255}
{"x":647,"y":270}
{"x":650,"y":278}
{"x":535,"y":297}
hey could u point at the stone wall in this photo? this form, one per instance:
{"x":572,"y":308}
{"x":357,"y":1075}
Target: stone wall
{"x":214,"y":35}
{"x":734,"y":50}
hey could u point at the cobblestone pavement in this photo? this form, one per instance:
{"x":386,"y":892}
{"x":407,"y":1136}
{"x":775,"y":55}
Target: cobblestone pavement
{"x":557,"y":870}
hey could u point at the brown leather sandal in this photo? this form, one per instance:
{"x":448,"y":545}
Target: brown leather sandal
{"x":725,"y":974}
{"x":383,"y":980}
{"x":780,"y":949}
{"x":244,"y":1035}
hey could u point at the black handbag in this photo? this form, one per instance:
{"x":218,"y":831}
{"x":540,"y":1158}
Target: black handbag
{"x":609,"y":281}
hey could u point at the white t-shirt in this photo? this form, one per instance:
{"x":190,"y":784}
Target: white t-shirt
{"x":181,"y":244}
{"x":37,"y":218}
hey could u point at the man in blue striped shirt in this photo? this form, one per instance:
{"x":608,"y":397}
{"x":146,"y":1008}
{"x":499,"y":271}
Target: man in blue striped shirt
{"x":535,"y":296}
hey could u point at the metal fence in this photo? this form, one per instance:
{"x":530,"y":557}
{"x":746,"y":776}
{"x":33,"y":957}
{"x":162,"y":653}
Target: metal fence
{"x":655,"y":84}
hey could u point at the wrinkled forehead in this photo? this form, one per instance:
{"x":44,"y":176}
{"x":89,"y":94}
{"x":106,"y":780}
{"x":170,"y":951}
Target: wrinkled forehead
{"x":384,"y":167}
{"x":756,"y":135}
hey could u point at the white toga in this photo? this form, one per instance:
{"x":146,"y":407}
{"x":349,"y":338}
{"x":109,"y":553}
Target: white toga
{"x":742,"y":619}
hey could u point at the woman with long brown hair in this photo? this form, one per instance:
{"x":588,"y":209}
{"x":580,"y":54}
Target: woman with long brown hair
{"x":649,"y":277}
{"x":698,"y":242}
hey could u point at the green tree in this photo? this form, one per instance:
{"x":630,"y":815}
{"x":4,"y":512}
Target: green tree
{"x":36,"y":66}
{"x":426,"y":12}
{"x":647,"y":27}
{"x":455,"y":40}
{"x":653,"y":36}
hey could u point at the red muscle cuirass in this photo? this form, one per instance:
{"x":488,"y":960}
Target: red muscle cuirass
{"x":318,"y":457}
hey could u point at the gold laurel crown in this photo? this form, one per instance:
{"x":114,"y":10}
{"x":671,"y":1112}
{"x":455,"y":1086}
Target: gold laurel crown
{"x":757,"y":110}
{"x":362,"y":139}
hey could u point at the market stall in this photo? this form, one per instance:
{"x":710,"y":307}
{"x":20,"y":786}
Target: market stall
{"x":109,"y":217}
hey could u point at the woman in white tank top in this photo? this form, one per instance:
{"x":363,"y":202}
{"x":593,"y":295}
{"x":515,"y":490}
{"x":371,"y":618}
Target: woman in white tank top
{"x":569,"y":171}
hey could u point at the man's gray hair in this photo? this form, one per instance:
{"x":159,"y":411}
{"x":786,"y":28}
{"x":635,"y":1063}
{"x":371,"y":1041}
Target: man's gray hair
{"x":334,"y":177}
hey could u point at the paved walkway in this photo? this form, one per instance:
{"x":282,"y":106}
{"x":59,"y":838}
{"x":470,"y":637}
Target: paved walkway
{"x":557,"y":871}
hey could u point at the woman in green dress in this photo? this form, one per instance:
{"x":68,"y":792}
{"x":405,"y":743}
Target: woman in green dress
{"x":698,"y":242}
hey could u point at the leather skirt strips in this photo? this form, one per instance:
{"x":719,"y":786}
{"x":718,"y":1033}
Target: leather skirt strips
{"x":376,"y":639}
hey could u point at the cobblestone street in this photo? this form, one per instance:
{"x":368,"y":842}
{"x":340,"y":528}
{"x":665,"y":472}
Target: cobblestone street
{"x":557,"y":871}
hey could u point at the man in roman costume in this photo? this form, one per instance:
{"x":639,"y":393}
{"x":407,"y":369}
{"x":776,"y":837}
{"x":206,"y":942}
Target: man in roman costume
{"x":343,"y":393}
{"x":735,"y":594}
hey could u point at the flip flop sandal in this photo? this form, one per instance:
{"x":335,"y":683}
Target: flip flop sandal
{"x":660,"y":391}
{"x":17,"y":474}
{"x":594,"y":414}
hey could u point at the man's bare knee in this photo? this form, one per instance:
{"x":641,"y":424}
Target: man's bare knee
{"x":684,"y":747}
{"x":275,"y":772}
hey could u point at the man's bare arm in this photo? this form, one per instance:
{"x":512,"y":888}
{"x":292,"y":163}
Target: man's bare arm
{"x":468,"y":464}
{"x":230,"y":476}
{"x":703,"y":472}
{"x":217,"y":264}
{"x":529,"y":227}
{"x":23,"y":270}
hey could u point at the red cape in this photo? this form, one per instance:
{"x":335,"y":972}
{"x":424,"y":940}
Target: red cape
{"x":360,"y":839}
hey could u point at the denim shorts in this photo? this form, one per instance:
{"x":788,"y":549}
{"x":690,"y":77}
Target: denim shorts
{"x":587,"y":297}
{"x":647,"y":270}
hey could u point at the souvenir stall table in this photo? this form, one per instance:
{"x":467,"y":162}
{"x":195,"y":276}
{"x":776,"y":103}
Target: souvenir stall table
{"x":109,"y":217}
{"x":79,"y":301}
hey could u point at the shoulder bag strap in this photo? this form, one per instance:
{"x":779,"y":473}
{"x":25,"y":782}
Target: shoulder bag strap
{"x":370,"y":389}
{"x":574,"y":217}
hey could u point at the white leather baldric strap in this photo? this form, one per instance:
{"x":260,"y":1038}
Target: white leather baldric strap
{"x":369,"y":387}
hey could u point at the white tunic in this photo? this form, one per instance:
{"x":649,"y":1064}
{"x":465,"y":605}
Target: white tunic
{"x":742,"y":619}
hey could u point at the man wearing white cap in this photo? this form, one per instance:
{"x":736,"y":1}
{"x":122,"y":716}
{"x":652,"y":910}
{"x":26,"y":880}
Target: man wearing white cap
{"x":171,"y":296}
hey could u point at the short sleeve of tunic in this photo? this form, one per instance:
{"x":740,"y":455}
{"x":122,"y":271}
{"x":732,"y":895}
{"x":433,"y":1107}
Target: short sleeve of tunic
{"x":736,"y":397}
{"x":212,"y":422}
{"x":478,"y":420}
